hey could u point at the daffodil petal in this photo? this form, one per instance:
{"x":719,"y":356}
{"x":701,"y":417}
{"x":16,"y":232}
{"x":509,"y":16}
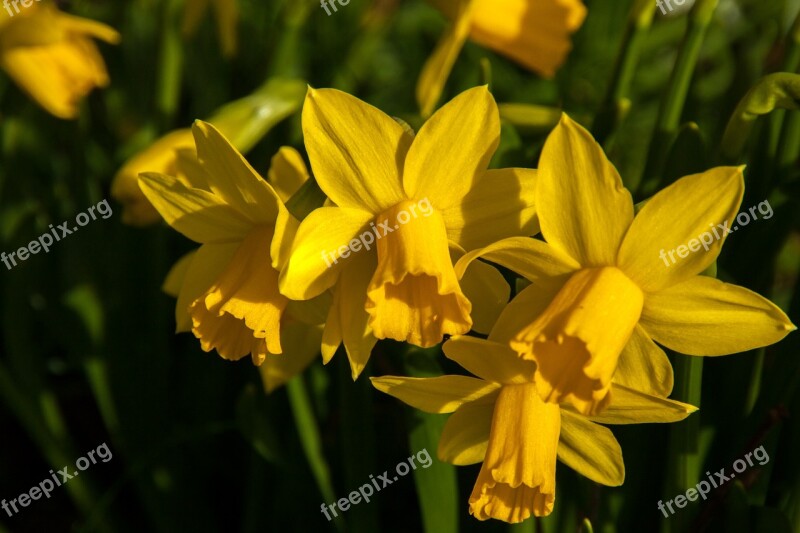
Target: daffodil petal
{"x":644,"y":366}
{"x":675,"y":218}
{"x":174,"y":280}
{"x":590,"y":449}
{"x":535,"y":34}
{"x":500,"y":204}
{"x":488,"y":291}
{"x":466,"y":433}
{"x":437,"y":68}
{"x":443,"y":394}
{"x":197,"y":214}
{"x":208,"y":263}
{"x":332,"y":334}
{"x":629,"y":406}
{"x":232,"y":178}
{"x":316,"y":256}
{"x":357,"y":336}
{"x":489,"y":360}
{"x":451,"y":151}
{"x":535,"y":260}
{"x":525,"y":307}
{"x":356,"y":151}
{"x":584,"y":210}
{"x":287,"y":172}
{"x":704,"y":316}
{"x":300,"y":343}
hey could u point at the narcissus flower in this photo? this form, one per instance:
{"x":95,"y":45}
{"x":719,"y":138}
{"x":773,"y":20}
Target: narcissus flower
{"x":227,"y":15}
{"x":401,"y":203}
{"x":228,"y":289}
{"x":534,"y":33}
{"x":52,"y":57}
{"x":601,"y":293}
{"x":244,"y":122}
{"x":500,"y":419}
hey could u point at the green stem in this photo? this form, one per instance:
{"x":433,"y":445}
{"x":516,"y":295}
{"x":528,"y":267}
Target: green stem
{"x":309,"y":434}
{"x":171,"y":64}
{"x":616,"y":100}
{"x":669,"y":115}
{"x":684,"y":450}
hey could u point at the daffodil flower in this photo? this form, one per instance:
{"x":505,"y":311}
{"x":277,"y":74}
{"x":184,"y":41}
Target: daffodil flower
{"x":52,"y":57}
{"x":601,"y":293}
{"x":228,"y":289}
{"x":534,"y":33}
{"x":227,"y":15}
{"x":401,"y":285}
{"x":499,"y":418}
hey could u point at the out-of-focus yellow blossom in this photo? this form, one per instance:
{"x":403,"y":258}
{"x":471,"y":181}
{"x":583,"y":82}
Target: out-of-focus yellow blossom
{"x":227,"y":15}
{"x":52,"y":57}
{"x":228,"y":289}
{"x":500,"y":419}
{"x":601,"y":293}
{"x":373,"y":169}
{"x":534,"y":33}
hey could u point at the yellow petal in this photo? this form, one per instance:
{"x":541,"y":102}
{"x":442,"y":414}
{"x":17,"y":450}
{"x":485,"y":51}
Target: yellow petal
{"x":174,"y":280}
{"x":584,"y":210}
{"x":644,"y":366}
{"x":320,"y":249}
{"x":356,"y":151}
{"x":232,"y":178}
{"x":443,"y":394}
{"x":357,"y":335}
{"x":591,"y":450}
{"x":488,"y":292}
{"x":300,"y":344}
{"x":437,"y":68}
{"x":577,"y":340}
{"x":525,"y":307}
{"x":240,"y":314}
{"x":287,"y":172}
{"x":451,"y":151}
{"x":414,"y":295}
{"x":704,"y":316}
{"x":500,"y":204}
{"x":465,"y":436}
{"x":490,"y":361}
{"x":332,"y":334}
{"x":518,"y":475}
{"x":533,"y":33}
{"x":656,"y":251}
{"x":190,"y":170}
{"x":197,"y":214}
{"x":159,"y":157}
{"x":208,"y":263}
{"x":535,"y":260}
{"x":630,"y":406}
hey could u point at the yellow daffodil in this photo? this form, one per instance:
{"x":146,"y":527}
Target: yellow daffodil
{"x":227,"y":15}
{"x":534,"y":33}
{"x":601,"y":292}
{"x":243,"y":121}
{"x":500,"y":419}
{"x":51,"y":55}
{"x":400,"y":203}
{"x":228,"y":289}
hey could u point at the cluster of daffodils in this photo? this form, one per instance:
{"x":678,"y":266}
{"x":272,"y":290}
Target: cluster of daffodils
{"x":577,"y":348}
